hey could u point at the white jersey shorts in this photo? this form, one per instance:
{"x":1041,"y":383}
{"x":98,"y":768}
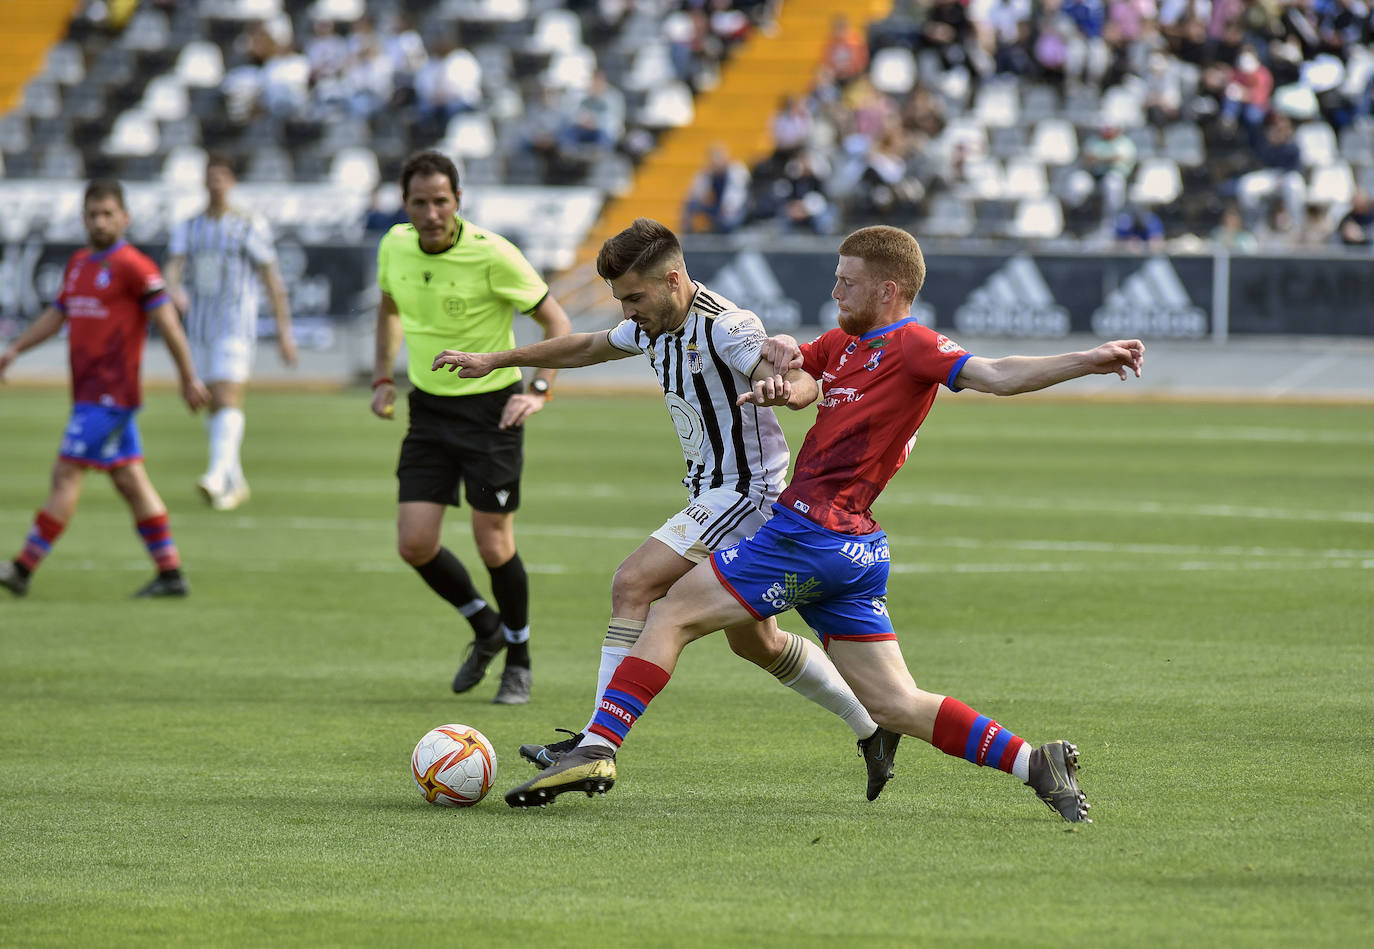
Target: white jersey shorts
{"x":227,"y":359}
{"x":717,"y":518}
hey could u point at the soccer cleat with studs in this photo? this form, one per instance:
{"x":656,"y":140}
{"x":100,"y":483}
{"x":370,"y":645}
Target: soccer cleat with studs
{"x":543,"y":756}
{"x":879,"y":750}
{"x":590,"y":769}
{"x":1054,"y":778}
{"x":515,"y":686}
{"x":481,"y":651}
{"x":164,"y":586}
{"x":11,"y":579}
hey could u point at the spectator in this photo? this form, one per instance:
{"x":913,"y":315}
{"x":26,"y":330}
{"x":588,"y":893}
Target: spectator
{"x":368,"y":79}
{"x":1140,"y":229}
{"x":597,"y":116}
{"x":1316,"y":226}
{"x":719,"y":193}
{"x":450,"y":83}
{"x":790,"y":128}
{"x":884,"y":191}
{"x":846,"y":50}
{"x":1280,"y":232}
{"x":805,"y":206}
{"x":949,"y":32}
{"x":1280,"y":170}
{"x":1245,"y":96}
{"x":1163,"y":90}
{"x":1231,"y":234}
{"x":1356,"y":228}
{"x":1109,"y":157}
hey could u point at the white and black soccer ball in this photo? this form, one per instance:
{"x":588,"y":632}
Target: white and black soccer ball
{"x":453,"y":765}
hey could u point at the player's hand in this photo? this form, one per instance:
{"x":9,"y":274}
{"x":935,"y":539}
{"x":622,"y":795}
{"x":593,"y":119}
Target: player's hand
{"x":286,"y":345}
{"x":469,"y":365}
{"x":384,"y":401}
{"x":783,"y":352}
{"x":194,"y":393}
{"x":770,"y":390}
{"x":6,"y":358}
{"x":1118,"y":356}
{"x":520,"y":407}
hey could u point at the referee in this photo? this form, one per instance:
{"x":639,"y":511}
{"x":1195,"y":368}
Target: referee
{"x":448,"y":284}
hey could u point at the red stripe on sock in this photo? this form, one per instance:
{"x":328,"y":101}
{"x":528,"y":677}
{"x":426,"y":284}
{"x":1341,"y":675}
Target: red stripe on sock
{"x":952,"y":725}
{"x":639,"y":678}
{"x":48,"y":528}
{"x":154,"y":530}
{"x":1009,"y":754}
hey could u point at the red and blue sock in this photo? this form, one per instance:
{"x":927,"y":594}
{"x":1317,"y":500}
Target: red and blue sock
{"x":156,"y":532}
{"x":627,"y":695}
{"x":44,"y":533}
{"x":963,"y":733}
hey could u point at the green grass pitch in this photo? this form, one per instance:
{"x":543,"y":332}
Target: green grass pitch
{"x":1185,"y":590}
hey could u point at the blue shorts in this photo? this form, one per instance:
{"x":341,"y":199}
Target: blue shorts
{"x":101,"y":436}
{"x":837,"y":582}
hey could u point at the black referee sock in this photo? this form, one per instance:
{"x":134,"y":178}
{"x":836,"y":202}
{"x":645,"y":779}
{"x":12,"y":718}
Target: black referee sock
{"x":447,"y":577}
{"x":511,"y":588}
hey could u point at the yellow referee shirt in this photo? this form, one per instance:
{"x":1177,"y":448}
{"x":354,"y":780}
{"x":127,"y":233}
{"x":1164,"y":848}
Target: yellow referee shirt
{"x":461,"y":298}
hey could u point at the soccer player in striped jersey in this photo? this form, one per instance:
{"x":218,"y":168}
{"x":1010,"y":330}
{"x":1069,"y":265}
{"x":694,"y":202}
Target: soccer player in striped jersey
{"x":704,"y":352}
{"x":109,"y":293}
{"x":219,"y":262}
{"x":822,"y":553}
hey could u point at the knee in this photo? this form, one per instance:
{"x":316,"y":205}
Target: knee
{"x":494,"y":548}
{"x":417,"y":549}
{"x":753,"y":648}
{"x":632,"y":590}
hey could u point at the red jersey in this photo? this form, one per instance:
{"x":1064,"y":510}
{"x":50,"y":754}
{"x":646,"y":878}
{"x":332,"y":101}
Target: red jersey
{"x":106,"y":296}
{"x":876,"y":390}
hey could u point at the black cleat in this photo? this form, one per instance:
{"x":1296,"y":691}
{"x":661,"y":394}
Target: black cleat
{"x":1054,"y":777}
{"x":165,"y":586}
{"x":878,"y":751}
{"x":480,"y":653}
{"x":590,"y":769}
{"x":515,"y":686}
{"x":543,"y":756}
{"x":11,"y":579}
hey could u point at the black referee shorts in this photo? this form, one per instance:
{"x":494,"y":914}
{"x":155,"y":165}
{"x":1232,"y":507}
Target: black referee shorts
{"x":455,"y":439}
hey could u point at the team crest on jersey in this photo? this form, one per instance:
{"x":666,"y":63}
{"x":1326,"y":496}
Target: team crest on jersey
{"x":694,"y":361}
{"x":102,"y":279}
{"x":946,"y":345}
{"x":873,"y":360}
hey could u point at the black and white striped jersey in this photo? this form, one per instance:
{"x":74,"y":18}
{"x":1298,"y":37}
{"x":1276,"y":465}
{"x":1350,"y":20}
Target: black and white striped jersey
{"x":223,"y":255}
{"x":703,"y":366}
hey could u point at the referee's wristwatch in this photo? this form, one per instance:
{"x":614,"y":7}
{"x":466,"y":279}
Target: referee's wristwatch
{"x":540,"y":387}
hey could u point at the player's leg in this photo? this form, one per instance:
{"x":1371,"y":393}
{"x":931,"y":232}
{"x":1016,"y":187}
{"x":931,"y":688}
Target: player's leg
{"x":150,"y":520}
{"x":879,"y":675}
{"x":51,"y":520}
{"x":223,"y":484}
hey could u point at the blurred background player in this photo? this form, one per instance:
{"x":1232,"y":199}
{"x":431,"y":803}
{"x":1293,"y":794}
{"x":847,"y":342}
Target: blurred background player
{"x":447,"y":283}
{"x":109,"y":291}
{"x":217,"y":264}
{"x":736,"y":461}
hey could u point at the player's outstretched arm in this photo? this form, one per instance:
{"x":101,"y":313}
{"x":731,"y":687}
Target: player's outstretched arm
{"x":796,"y":389}
{"x":1011,"y":375}
{"x":43,"y":328}
{"x":193,"y":391}
{"x":561,"y":352}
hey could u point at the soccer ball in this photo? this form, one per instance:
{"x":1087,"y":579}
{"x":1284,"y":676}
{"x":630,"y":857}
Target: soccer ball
{"x":453,"y":765}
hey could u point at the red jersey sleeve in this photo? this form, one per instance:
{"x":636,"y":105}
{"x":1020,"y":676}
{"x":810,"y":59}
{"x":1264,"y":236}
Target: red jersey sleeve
{"x":60,"y":301}
{"x":145,"y":281}
{"x":816,"y":354}
{"x":932,"y":357}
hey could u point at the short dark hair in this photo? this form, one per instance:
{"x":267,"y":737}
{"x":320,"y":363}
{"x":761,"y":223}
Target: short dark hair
{"x":101,"y":188}
{"x":221,"y":160}
{"x":643,"y":246}
{"x":428,"y":163}
{"x":891,"y":254}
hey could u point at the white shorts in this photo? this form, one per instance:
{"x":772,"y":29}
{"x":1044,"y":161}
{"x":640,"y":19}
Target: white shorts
{"x":717,"y":518}
{"x":228,"y":359}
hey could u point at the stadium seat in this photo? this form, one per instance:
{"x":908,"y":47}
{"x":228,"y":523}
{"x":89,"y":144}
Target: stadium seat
{"x":893,"y":70}
{"x":134,"y":132}
{"x":355,"y":169}
{"x":1007,"y":142}
{"x":148,"y":29}
{"x":985,"y":179}
{"x":268,"y":164}
{"x":1334,"y":184}
{"x":1123,"y":106}
{"x":65,"y":64}
{"x":61,"y":162}
{"x":965,"y":132}
{"x":1026,"y":178}
{"x":1038,"y":102}
{"x":557,"y":30}
{"x":571,"y":70}
{"x":469,"y":135}
{"x":997,"y":104}
{"x":1054,"y":142}
{"x":165,"y":98}
{"x":1183,"y":142}
{"x":1146,"y":143}
{"x":338,"y":11}
{"x":1037,"y":219}
{"x":651,"y":68}
{"x":42,"y":99}
{"x":669,"y":106}
{"x":241,"y":9}
{"x":200,"y":64}
{"x":1157,"y":181}
{"x":1357,"y":144}
{"x":948,"y":216}
{"x":14,"y":133}
{"x":1317,"y":143}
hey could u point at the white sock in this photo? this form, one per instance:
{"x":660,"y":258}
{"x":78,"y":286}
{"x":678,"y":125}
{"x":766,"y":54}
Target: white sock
{"x":805,"y":669}
{"x":515,"y":635}
{"x":1021,"y":766}
{"x":621,"y":636}
{"x":226,"y":436}
{"x":472,"y":608}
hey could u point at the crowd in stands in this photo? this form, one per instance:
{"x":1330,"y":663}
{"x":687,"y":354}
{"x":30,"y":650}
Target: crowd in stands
{"x":1136,"y":123}
{"x":1142,"y":123}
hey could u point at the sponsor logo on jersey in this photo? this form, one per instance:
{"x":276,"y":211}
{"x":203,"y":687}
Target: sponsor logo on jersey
{"x":867,"y":553}
{"x":699,"y":513}
{"x":749,"y":281}
{"x":1013,"y":301}
{"x":841,"y":394}
{"x":1151,"y":302}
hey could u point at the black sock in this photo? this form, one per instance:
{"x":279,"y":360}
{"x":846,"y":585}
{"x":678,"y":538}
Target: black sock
{"x":511,"y":588}
{"x":447,"y":577}
{"x":23,"y":571}
{"x":173,"y":574}
{"x":518,"y":654}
